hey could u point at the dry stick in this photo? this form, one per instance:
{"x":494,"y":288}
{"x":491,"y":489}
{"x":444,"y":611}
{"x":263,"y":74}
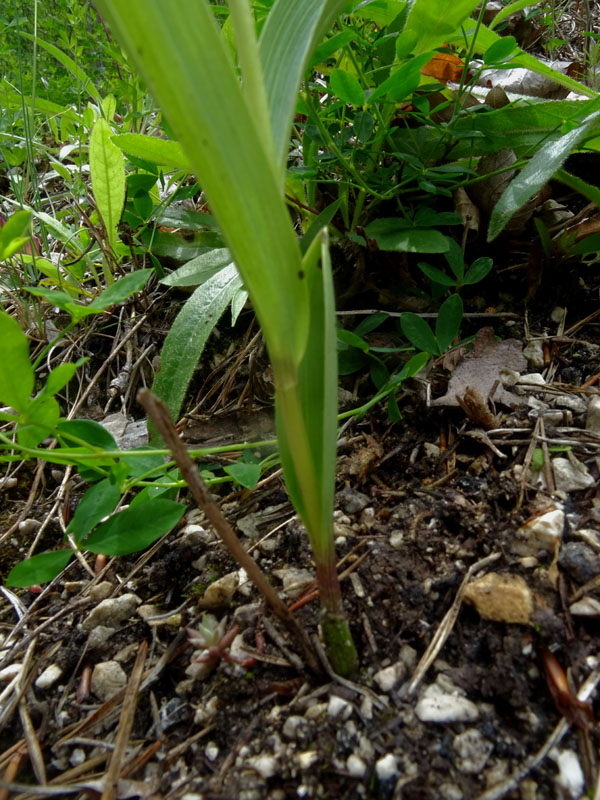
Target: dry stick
{"x":125,"y":725}
{"x":159,"y":413}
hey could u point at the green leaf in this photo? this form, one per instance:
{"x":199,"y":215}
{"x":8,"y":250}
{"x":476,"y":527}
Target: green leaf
{"x":16,"y":372}
{"x":88,"y":431}
{"x":363,"y":125}
{"x":59,"y":377}
{"x":75,"y":70}
{"x":38,"y":421}
{"x":351,"y":339}
{"x":500,"y":50}
{"x":455,"y":259}
{"x":247,"y":475}
{"x":119,"y":292}
{"x":198,"y":270}
{"x":436,"y":275}
{"x":98,"y":502}
{"x":405,"y":44}
{"x":448,"y":321}
{"x":396,"y":235}
{"x":434,"y":22}
{"x":39,"y":569}
{"x":345,"y":86}
{"x":321,"y":221}
{"x":290,"y":34}
{"x":134,"y":528}
{"x":413,"y":366}
{"x":14,"y":233}
{"x":108,"y":178}
{"x":478,"y":270}
{"x":535,"y":174}
{"x":402,"y":82}
{"x":163,"y":152}
{"x":418,"y":332}
{"x":189,"y":332}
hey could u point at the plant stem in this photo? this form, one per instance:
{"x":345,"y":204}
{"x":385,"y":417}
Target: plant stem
{"x":161,"y":417}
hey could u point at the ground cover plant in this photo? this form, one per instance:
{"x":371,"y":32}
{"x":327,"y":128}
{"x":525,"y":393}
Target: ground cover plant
{"x":325,"y":146}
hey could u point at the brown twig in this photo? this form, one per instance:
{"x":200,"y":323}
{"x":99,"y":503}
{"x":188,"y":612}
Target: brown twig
{"x":159,"y":413}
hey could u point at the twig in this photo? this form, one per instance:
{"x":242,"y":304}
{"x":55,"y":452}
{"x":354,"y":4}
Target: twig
{"x":125,"y":725}
{"x":159,"y":413}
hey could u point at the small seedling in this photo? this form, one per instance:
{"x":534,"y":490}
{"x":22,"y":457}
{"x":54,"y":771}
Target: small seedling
{"x":211,"y":636}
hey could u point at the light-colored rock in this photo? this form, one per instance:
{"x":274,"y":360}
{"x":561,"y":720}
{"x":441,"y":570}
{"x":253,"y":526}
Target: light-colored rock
{"x":48,"y":677}
{"x":570,"y":775}
{"x":450,"y":791}
{"x":220,"y":592}
{"x":338,"y":708}
{"x":356,"y":766}
{"x":570,"y":475}
{"x":99,"y":636}
{"x":389,"y":677}
{"x":571,"y":401}
{"x":101,"y":591}
{"x":592,"y":420}
{"x":112,"y":612}
{"x":397,"y":539}
{"x":29,"y":526}
{"x":534,"y":353}
{"x":108,"y":678}
{"x":437,"y":706}
{"x":307,"y":759}
{"x":265,"y":764}
{"x":502,"y":598}
{"x":294,"y":580}
{"x":211,"y":751}
{"x":590,"y":536}
{"x":386,"y":767}
{"x":472,"y":750}
{"x":530,"y":382}
{"x":294,"y":726}
{"x":540,"y":533}
{"x":585,"y":607}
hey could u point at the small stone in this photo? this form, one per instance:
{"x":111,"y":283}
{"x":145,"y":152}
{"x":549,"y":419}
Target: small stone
{"x":397,"y":539}
{"x":193,"y":535}
{"x":570,"y":475}
{"x":590,"y":537}
{"x":450,"y":791}
{"x":307,"y":759}
{"x":338,"y":708}
{"x":592,"y":421}
{"x":585,"y":607}
{"x":8,"y":483}
{"x":472,"y":750}
{"x":575,"y":404}
{"x":389,"y":677}
{"x":408,"y":656}
{"x":108,"y":678}
{"x":540,"y":533}
{"x":27,"y":527}
{"x":101,"y":591}
{"x":502,"y":598}
{"x":351,"y":501}
{"x":527,"y":383}
{"x":294,"y":580}
{"x":220,"y":592}
{"x":77,"y":757}
{"x":436,"y":706}
{"x":356,"y":766}
{"x":295,"y":727}
{"x":579,"y":561}
{"x":534,"y":353}
{"x":99,"y":636}
{"x":48,"y":677}
{"x":570,"y":775}
{"x":317,"y":711}
{"x":265,"y":764}
{"x":211,"y":751}
{"x":112,"y":612}
{"x":386,"y":768}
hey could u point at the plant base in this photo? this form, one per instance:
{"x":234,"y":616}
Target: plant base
{"x":339,"y":645}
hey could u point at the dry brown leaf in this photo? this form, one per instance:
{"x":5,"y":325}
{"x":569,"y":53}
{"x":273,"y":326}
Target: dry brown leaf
{"x":480,"y":371}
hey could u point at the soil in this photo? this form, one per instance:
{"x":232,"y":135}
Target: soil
{"x":426,"y":507}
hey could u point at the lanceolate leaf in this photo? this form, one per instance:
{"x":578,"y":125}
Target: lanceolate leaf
{"x":189,"y":333}
{"x":134,"y":528}
{"x":108,"y":177}
{"x":536,"y":173}
{"x":16,"y":372}
{"x":158,"y":151}
{"x":39,"y":569}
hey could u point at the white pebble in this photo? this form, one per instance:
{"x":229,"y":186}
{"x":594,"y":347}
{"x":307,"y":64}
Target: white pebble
{"x":389,"y":677}
{"x":356,"y":766}
{"x":211,"y":751}
{"x":387,"y":767}
{"x":49,"y":676}
{"x":570,"y":775}
{"x":265,"y":764}
{"x":435,"y":706}
{"x":338,"y":708}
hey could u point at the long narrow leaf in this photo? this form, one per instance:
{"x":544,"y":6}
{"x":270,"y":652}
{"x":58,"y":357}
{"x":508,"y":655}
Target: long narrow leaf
{"x":187,"y":65}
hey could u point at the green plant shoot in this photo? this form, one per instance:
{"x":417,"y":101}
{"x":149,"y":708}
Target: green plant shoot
{"x":235,"y":136}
